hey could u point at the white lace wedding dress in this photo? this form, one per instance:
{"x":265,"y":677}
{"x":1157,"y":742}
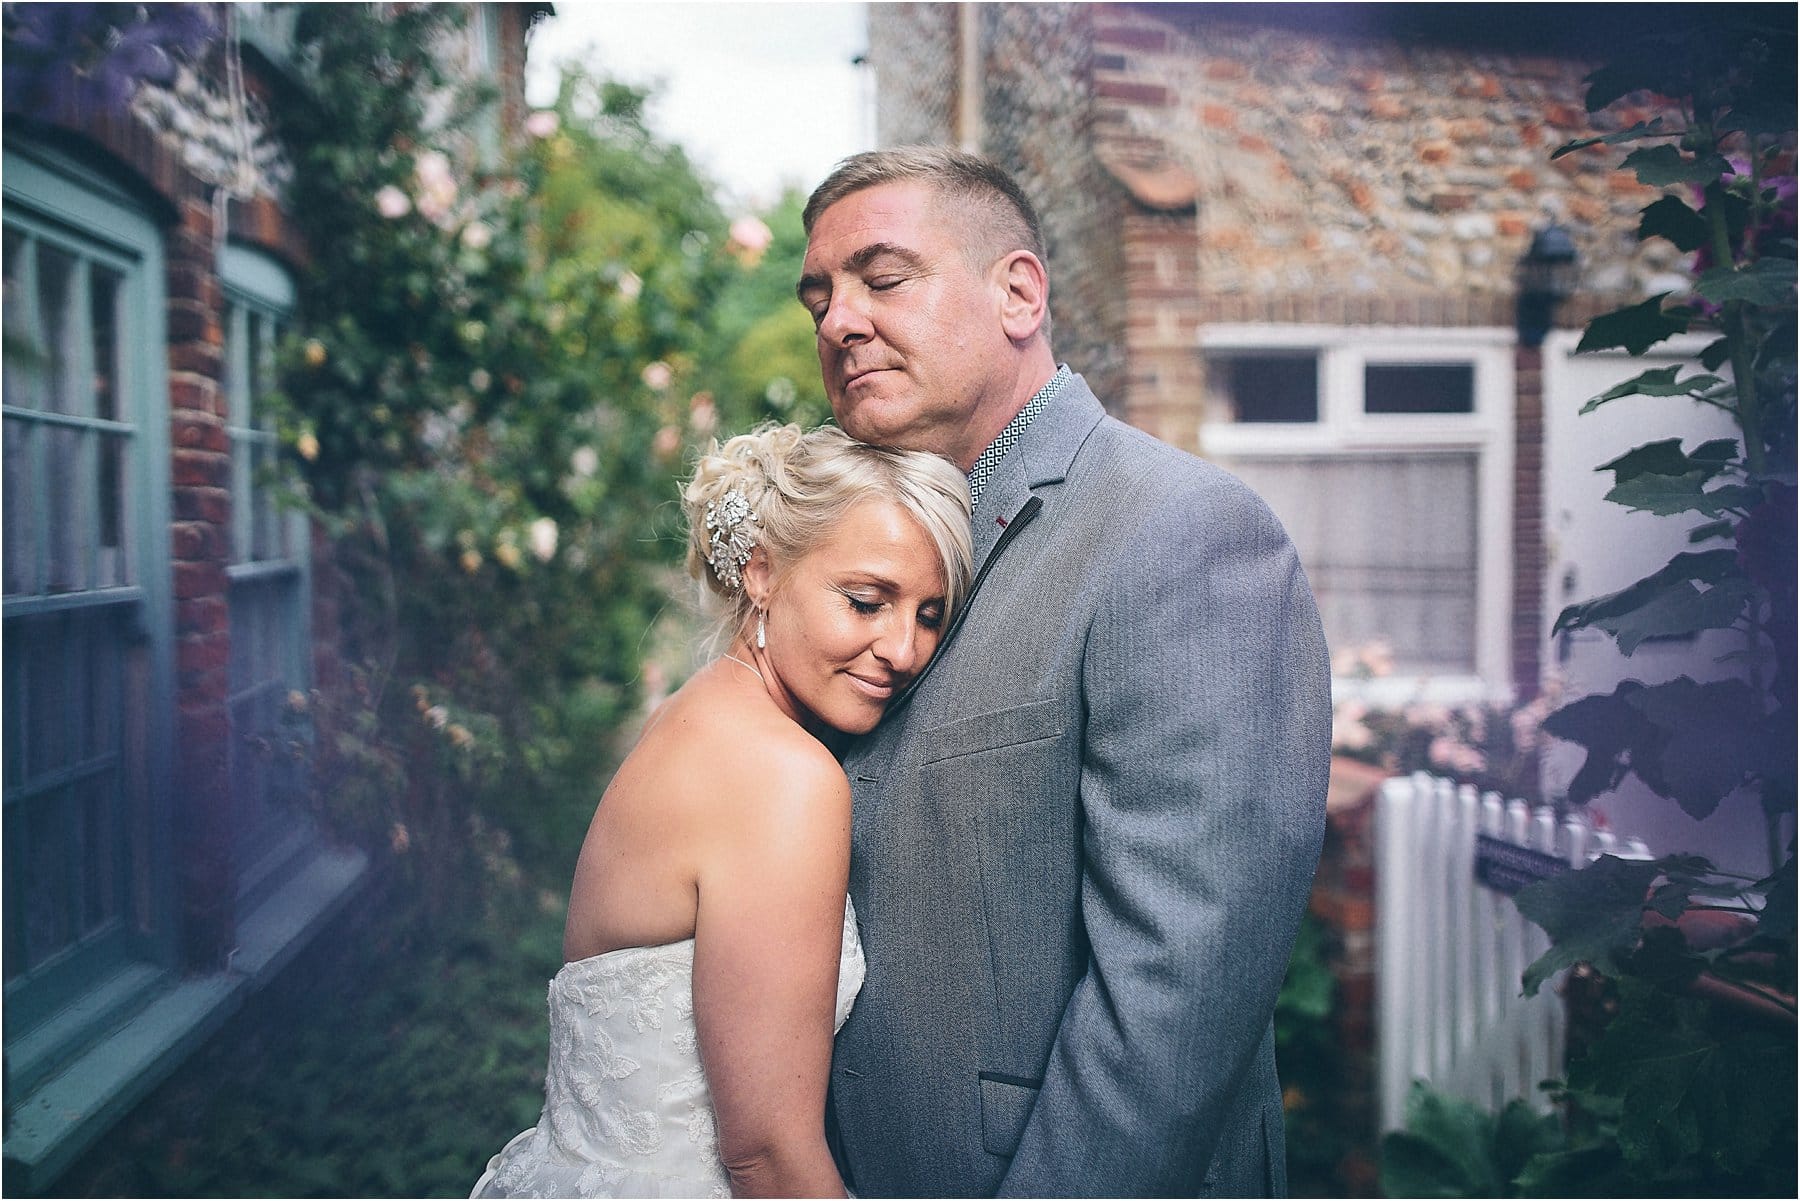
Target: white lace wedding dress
{"x":627,"y":1112}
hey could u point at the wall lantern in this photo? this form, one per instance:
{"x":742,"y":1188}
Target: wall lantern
{"x":1547,"y":277}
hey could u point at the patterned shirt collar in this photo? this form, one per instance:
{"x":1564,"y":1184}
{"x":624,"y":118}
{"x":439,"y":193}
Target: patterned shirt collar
{"x":996,"y":450}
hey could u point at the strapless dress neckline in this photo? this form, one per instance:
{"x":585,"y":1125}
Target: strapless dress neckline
{"x":627,"y":1111}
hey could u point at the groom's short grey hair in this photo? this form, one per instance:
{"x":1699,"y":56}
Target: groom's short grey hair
{"x":968,"y":181}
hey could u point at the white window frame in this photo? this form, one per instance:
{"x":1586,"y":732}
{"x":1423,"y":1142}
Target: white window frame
{"x":1343,"y":428}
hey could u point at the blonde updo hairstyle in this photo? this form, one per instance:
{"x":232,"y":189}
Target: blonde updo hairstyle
{"x":800,"y":484}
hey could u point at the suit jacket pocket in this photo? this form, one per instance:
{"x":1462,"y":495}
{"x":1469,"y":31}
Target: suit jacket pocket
{"x":979,"y":732}
{"x":1006,"y":1103}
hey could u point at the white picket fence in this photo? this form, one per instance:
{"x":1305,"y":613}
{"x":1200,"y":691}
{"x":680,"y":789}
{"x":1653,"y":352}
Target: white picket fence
{"x":1450,"y":951}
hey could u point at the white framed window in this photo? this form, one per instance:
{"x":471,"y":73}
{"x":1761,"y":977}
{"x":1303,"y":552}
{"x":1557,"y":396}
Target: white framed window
{"x":1388,"y":455}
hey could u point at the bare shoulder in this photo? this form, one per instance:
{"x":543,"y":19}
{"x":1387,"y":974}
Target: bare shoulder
{"x":747,"y":766}
{"x":783,"y":773}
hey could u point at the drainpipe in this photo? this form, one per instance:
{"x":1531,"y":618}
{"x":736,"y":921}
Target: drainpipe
{"x":968,"y":77}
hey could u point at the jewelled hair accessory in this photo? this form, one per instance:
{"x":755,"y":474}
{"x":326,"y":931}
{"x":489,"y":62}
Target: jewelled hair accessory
{"x":730,"y":538}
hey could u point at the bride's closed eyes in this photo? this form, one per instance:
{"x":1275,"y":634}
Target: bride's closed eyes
{"x":931,"y":613}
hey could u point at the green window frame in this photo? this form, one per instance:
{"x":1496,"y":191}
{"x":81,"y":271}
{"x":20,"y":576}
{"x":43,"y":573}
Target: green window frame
{"x":88,"y":674}
{"x":270,"y":582}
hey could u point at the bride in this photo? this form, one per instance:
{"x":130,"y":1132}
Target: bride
{"x":711,"y":950}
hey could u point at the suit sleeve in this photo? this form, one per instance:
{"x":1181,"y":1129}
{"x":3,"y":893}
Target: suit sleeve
{"x":1205,"y":758}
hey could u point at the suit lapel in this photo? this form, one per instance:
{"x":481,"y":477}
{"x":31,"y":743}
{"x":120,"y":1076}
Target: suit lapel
{"x":1006,"y":493}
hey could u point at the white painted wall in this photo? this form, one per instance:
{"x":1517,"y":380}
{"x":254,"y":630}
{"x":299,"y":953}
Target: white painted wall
{"x":1596,"y":547}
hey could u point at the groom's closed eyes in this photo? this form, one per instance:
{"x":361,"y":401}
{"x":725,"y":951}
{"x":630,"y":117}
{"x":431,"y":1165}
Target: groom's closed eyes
{"x":881,"y":264}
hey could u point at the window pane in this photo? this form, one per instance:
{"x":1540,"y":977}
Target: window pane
{"x":113,"y":566}
{"x":17,"y":704}
{"x":46,"y":877}
{"x":66,"y":501}
{"x":1389,"y":546}
{"x":20,"y":493}
{"x":57,"y":391}
{"x":99,"y":859}
{"x":49,"y":707}
{"x":104,"y":304}
{"x":1419,"y":388}
{"x":264,"y":641}
{"x":1263,"y":387}
{"x":22,"y":350}
{"x":268,"y":633}
{"x":67,"y":764}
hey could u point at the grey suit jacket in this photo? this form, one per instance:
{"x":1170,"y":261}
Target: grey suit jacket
{"x":1083,"y":841}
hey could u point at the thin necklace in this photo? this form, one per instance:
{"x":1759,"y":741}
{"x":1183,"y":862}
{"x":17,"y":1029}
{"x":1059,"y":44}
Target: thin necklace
{"x":750,"y":667}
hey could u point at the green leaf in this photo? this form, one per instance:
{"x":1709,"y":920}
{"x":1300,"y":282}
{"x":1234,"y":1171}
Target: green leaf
{"x":1767,"y":281}
{"x":1659,"y":381}
{"x":1716,"y":354}
{"x":1680,"y":609}
{"x":1722,"y":451}
{"x":1608,"y":730}
{"x":1445,"y":1151}
{"x":1663,"y":958}
{"x":1660,"y":166}
{"x":1634,"y":329}
{"x":1652,"y":128}
{"x":1308,"y":988}
{"x":1520,"y":1136}
{"x":1593,"y":915}
{"x":1592,"y":1171}
{"x":1708,"y":567}
{"x":1673,"y":220}
{"x":1666,"y":495}
{"x":1650,"y":60}
{"x":1704,"y":1100}
{"x":1714,"y":739}
{"x":1667,"y":458}
{"x":1777,"y":917}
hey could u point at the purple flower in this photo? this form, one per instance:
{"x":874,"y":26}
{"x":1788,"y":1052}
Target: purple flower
{"x":65,"y":59}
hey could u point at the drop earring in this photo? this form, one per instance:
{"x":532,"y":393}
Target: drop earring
{"x":761,"y":640}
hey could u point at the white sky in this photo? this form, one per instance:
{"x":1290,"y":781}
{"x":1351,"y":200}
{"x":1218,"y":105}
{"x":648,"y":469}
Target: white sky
{"x":759,"y":94}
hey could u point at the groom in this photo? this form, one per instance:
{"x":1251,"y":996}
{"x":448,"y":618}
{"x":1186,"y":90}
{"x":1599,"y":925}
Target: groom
{"x":1082,"y":842}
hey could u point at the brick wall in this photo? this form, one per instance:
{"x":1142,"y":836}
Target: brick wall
{"x":1332,"y":168}
{"x":913,"y":51}
{"x":1343,"y":899}
{"x":1037,"y":117}
{"x":200,"y":477}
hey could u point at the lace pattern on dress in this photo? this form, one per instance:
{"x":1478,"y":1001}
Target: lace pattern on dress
{"x":627,"y":1111}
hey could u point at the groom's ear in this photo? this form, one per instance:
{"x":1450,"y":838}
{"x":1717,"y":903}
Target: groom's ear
{"x":1026,"y":297}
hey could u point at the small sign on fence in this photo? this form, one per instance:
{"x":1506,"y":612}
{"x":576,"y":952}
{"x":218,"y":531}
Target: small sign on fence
{"x":1506,"y":868}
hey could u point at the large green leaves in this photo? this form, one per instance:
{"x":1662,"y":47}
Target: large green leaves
{"x":1592,"y":916}
{"x":1660,"y":166}
{"x":1671,"y":219}
{"x":1661,"y":478}
{"x":1653,"y":128}
{"x":1694,"y":743}
{"x":1451,"y":1148}
{"x":1703,"y":1099}
{"x":1713,"y":739}
{"x":1768,"y":281}
{"x":1669,"y":602}
{"x":1659,"y":381}
{"x":1634,"y":329}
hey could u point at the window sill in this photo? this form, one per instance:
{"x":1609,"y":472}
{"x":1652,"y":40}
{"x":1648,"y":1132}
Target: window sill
{"x":49,"y":1127}
{"x":1398,"y":690}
